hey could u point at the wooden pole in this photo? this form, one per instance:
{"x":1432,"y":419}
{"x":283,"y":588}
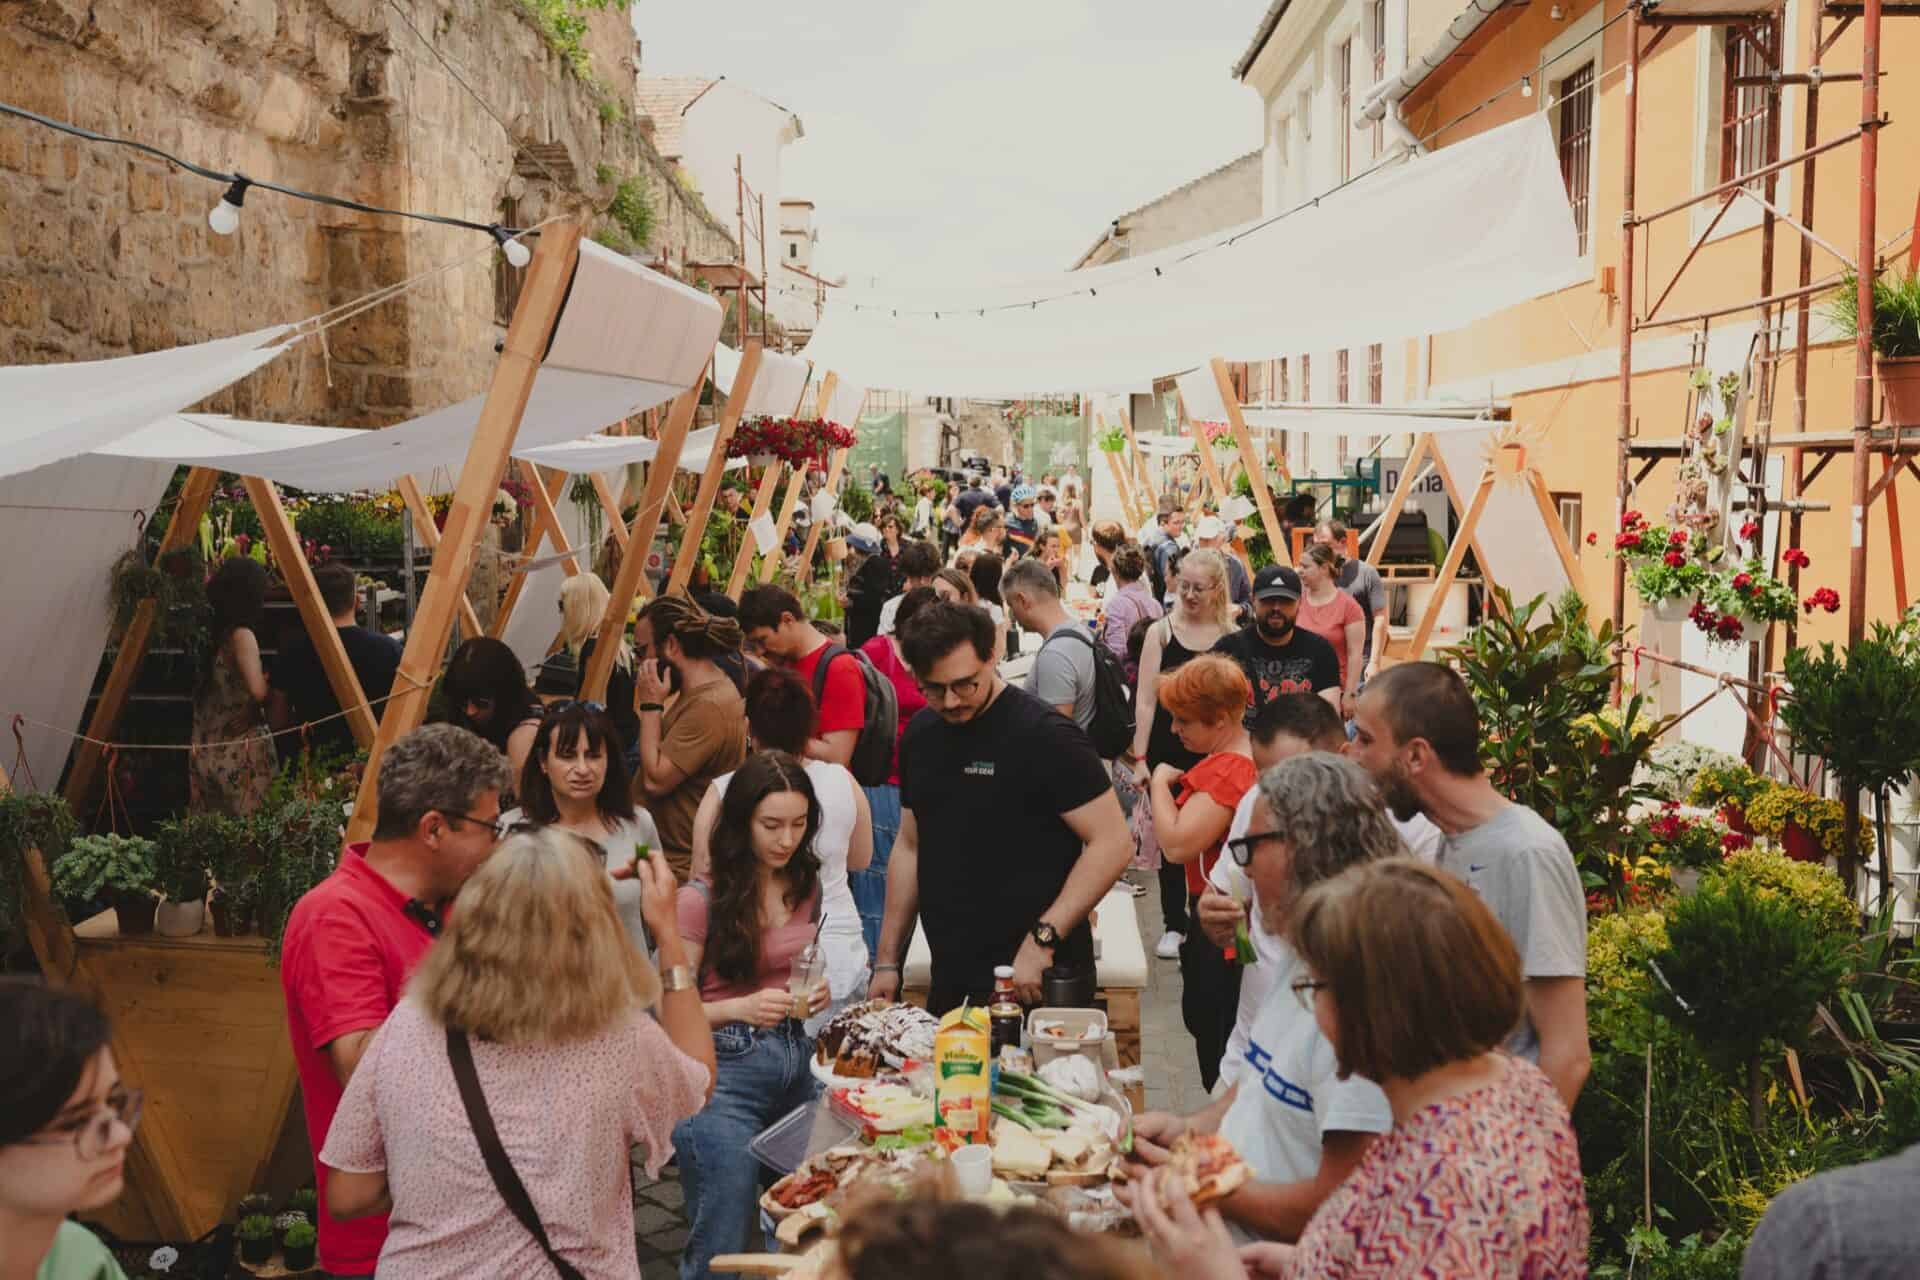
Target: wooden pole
{"x":805,"y":564}
{"x":716,"y":467}
{"x":762,"y":504}
{"x":429,"y":534}
{"x":486,"y":461}
{"x":1397,"y":503}
{"x":1134,"y":454}
{"x":770,"y":563}
{"x":616,"y":524}
{"x":182,"y":527}
{"x":1249,"y":458}
{"x":646,"y":523}
{"x":546,"y":524}
{"x":1556,"y":532}
{"x":1128,"y":510}
{"x":1451,"y":568}
{"x":341,"y":677}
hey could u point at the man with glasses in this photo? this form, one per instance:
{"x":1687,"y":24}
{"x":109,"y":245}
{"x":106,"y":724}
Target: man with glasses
{"x":1297,"y":1124}
{"x":354,"y":939}
{"x":1010,"y":832}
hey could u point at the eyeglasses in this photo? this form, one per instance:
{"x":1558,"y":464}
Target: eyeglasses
{"x":91,"y":1135}
{"x":498,"y":826}
{"x":1241,"y":847}
{"x":555,"y":708}
{"x":935,"y":691}
{"x":1192,"y":588}
{"x":1304,"y":988}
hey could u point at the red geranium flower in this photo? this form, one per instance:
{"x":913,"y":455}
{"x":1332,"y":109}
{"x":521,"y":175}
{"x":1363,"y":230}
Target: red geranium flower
{"x":1592,"y":538}
{"x":1677,"y":538}
{"x":1729,"y":627}
{"x":1626,"y":541}
{"x":1675,"y":558}
{"x":1742,"y":581}
{"x":1631,"y":520}
{"x":1825,"y":598}
{"x":1796,"y":557}
{"x":1750,"y":531}
{"x":1704,"y":618}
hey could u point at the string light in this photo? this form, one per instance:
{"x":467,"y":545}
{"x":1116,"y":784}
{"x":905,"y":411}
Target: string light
{"x":1526,"y":86}
{"x":518,"y":255}
{"x":224,"y":218}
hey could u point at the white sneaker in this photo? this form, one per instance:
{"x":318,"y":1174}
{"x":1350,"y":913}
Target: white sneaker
{"x":1168,"y":947}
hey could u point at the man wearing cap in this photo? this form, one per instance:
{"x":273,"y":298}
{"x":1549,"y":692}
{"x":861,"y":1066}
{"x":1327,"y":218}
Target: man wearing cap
{"x":1023,"y":529}
{"x":1210,"y":531}
{"x":1279,"y":657}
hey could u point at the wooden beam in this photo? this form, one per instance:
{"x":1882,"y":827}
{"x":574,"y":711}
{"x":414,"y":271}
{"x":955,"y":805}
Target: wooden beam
{"x":805,"y":563}
{"x":1451,"y":568}
{"x":1137,"y":459}
{"x":1409,"y":472}
{"x":1256,"y":474}
{"x":429,"y":535}
{"x":341,"y":677}
{"x":196,"y":492}
{"x":1454,"y":491}
{"x":546,"y":486}
{"x":616,"y":524}
{"x":526,"y":345}
{"x":646,"y":523}
{"x":1129,"y":512}
{"x":770,"y":564}
{"x":730,"y":415}
{"x":762,"y":504}
{"x":1556,"y":532}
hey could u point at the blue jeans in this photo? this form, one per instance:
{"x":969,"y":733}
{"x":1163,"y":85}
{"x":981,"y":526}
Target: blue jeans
{"x":762,"y":1075}
{"x":870,"y":886}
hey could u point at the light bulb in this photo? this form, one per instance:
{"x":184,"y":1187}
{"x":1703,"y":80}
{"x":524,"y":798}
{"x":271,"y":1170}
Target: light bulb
{"x":1526,"y":86}
{"x":224,"y":218}
{"x":518,"y":255}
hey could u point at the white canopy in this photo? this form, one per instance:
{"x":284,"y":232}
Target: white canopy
{"x":776,"y":388}
{"x":1426,"y":246}
{"x":57,"y":411}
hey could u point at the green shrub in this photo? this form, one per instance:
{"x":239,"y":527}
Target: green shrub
{"x":95,"y":864}
{"x":28,"y":821}
{"x":180,"y":858}
{"x":1619,"y":944}
{"x":632,"y":210}
{"x":1896,"y":311}
{"x":1717,"y":786}
{"x":1813,"y":889}
{"x":1900,"y":1112}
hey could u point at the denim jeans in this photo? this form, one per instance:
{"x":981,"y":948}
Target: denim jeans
{"x":763,"y":1074}
{"x":870,"y":886}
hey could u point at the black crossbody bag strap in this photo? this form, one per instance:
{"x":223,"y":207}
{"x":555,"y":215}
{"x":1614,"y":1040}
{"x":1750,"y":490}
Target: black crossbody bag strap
{"x":499,"y":1167}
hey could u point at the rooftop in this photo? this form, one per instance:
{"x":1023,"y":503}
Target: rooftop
{"x":665,"y":100}
{"x":1261,"y":34}
{"x":1094,"y":248}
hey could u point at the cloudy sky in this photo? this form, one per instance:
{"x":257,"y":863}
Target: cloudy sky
{"x":949,"y":137}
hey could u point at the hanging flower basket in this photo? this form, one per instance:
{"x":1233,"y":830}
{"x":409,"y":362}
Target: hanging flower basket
{"x":798,"y":442}
{"x":1739,"y":602}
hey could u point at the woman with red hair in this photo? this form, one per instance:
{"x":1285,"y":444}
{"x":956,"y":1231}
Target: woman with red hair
{"x":1192,"y":810}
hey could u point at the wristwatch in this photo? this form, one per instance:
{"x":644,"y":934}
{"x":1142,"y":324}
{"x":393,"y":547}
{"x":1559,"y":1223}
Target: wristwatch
{"x":680,"y":977}
{"x":1046,"y":935}
{"x":653,"y":706}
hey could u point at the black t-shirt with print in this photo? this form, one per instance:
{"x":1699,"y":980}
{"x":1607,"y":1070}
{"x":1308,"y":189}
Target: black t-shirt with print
{"x":1305,"y":664}
{"x":994,"y":852}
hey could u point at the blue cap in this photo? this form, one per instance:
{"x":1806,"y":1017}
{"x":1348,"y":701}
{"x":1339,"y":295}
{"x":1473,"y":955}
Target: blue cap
{"x":1025,"y":493}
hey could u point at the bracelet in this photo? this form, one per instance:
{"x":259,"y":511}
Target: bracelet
{"x":680,"y":977}
{"x":886,"y":968}
{"x":653,"y":706}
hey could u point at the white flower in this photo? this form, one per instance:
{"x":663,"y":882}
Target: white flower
{"x":290,"y":1218}
{"x":163,"y":1258}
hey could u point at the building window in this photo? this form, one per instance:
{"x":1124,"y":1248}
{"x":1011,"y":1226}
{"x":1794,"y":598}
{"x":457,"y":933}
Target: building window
{"x":793,"y":248}
{"x":1377,"y":39}
{"x":1306,"y":378}
{"x":507,"y":278}
{"x":1572,"y":516}
{"x":1341,"y":368}
{"x":1306,"y":116}
{"x":1343,"y":119}
{"x":1575,"y":95}
{"x":1286,"y":382}
{"x":1376,"y":373}
{"x":1744,"y":108}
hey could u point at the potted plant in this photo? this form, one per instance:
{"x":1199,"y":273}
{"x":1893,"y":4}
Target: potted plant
{"x":1738,"y":603}
{"x":305,"y":1201}
{"x":1810,"y":828}
{"x":1896,"y":338}
{"x":304,"y":839}
{"x":1667,"y":567}
{"x":1111,"y":440}
{"x":180,"y":871}
{"x":297,"y":1246}
{"x":256,"y":1238}
{"x":1728,"y":789}
{"x":118,"y":867}
{"x":1686,"y":846}
{"x":228,"y":846}
{"x":27,"y":821}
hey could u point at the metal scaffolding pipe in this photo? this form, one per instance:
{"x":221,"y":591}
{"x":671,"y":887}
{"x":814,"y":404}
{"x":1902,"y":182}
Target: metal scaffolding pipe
{"x":1863,"y":339}
{"x":1623,"y":483}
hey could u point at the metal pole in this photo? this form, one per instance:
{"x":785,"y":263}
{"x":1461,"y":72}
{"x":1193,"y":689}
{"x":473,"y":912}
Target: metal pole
{"x":1622,"y":481}
{"x":1863,"y":340}
{"x":1803,"y":313}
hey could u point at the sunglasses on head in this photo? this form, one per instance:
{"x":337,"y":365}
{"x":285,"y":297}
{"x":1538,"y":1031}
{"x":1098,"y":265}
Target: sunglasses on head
{"x":555,"y":708}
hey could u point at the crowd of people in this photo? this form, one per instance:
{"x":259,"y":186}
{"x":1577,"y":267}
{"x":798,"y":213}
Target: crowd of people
{"x":584,"y":931}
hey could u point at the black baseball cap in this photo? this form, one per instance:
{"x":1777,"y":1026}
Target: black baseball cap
{"x":1276,"y":582}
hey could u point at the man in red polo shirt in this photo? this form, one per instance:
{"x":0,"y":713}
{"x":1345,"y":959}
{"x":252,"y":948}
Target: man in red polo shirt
{"x":773,"y":618}
{"x":352,"y":941}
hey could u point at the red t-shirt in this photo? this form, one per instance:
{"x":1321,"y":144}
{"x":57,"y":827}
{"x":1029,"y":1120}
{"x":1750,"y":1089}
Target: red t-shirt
{"x":1329,"y":622}
{"x":348,"y":951}
{"x":879,"y":651}
{"x":843,"y":702}
{"x":1223,"y":776}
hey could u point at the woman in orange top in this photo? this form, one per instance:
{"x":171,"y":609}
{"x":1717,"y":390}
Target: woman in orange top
{"x":1192,"y":811}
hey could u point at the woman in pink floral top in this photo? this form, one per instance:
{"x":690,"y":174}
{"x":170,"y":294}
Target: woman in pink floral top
{"x":1416,"y":984}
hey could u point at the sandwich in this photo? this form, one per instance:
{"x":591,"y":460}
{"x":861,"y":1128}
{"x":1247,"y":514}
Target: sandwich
{"x":1205,"y":1167}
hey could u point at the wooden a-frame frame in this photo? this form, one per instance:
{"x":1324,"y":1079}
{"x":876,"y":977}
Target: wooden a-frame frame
{"x":770,"y":560}
{"x":730,"y":414}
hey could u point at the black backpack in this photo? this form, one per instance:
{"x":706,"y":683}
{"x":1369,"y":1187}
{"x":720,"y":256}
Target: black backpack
{"x":872,"y":761}
{"x":1112,"y":727}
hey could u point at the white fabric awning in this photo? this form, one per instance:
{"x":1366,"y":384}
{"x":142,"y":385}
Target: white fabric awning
{"x":1426,"y":246}
{"x":56,"y":411}
{"x":1200,"y":397}
{"x":604,"y":453}
{"x":848,"y":402}
{"x":776,"y":388}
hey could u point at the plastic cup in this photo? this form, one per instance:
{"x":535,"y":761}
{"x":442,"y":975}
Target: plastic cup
{"x":973,"y":1169}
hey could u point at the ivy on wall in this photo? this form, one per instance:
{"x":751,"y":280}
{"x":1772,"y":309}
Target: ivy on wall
{"x":564,"y":24}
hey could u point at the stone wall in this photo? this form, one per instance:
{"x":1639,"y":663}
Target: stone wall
{"x":105,"y":251}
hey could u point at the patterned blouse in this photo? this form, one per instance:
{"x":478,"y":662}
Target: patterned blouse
{"x":1486,"y":1184}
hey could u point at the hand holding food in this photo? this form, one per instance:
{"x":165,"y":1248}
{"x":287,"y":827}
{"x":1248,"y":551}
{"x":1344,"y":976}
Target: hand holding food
{"x":1220,"y":916}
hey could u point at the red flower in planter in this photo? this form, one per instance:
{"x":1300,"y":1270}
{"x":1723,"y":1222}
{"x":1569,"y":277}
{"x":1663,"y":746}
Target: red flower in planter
{"x":1825,"y":598}
{"x":1733,"y":842}
{"x":1796,"y":557}
{"x":1742,"y":582}
{"x":1626,"y":541}
{"x":1678,"y":538}
{"x":1729,"y":627}
{"x":1592,"y":538}
{"x":1675,"y":558}
{"x":1705,"y":619}
{"x":1631,"y":520}
{"x":1750,"y":531}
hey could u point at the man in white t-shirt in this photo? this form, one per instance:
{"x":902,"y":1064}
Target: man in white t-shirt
{"x":1300,"y":1128}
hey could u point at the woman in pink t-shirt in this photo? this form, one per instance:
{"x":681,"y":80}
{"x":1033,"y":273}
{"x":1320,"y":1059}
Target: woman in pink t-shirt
{"x":538,"y":972}
{"x":1335,"y":616}
{"x":745,"y":927}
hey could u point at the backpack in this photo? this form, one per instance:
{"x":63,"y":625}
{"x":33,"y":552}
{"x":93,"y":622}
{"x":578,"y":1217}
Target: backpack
{"x":872,"y":761}
{"x":1112,"y":727}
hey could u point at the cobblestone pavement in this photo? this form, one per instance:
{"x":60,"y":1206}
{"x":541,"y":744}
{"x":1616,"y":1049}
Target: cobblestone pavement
{"x":1173,"y":1084}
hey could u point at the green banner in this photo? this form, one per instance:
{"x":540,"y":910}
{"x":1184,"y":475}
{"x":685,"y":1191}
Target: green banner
{"x":883,"y":441}
{"x":1053,"y":443}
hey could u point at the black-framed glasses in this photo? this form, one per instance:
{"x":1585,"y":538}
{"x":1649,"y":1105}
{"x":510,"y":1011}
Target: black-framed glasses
{"x":935,"y":691}
{"x":92,"y":1134}
{"x":1304,"y":989}
{"x":1241,"y":847}
{"x":498,"y":826}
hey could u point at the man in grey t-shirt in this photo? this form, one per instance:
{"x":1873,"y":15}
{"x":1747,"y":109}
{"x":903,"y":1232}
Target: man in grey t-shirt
{"x":1845,"y":1224}
{"x":1363,"y":582}
{"x":1063,"y":672}
{"x":1417,"y":731}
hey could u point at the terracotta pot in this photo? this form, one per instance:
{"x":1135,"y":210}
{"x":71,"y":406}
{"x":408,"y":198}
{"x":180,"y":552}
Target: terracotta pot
{"x":1735,"y":816}
{"x":134,"y":912}
{"x":1801,"y":844}
{"x":180,"y":919}
{"x":1900,"y":385}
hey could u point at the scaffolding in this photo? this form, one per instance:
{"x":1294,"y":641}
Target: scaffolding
{"x":739,"y":278}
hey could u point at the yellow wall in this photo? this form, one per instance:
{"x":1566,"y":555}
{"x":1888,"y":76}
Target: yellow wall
{"x":1582,"y":415}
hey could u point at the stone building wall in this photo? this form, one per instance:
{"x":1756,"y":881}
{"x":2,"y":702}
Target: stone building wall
{"x":105,"y":251}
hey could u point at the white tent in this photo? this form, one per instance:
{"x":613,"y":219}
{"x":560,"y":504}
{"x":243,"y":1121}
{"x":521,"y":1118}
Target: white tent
{"x":1425,"y":246}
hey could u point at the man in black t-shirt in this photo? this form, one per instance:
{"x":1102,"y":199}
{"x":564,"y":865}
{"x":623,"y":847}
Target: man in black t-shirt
{"x":971,"y":501}
{"x":299,"y":692}
{"x":1010,"y":832}
{"x":1278,"y":657}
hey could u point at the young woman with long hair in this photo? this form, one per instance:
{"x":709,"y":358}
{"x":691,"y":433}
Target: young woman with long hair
{"x":485,"y":691}
{"x":1333,"y":615}
{"x":745,"y":923}
{"x":575,"y":780}
{"x":536,"y":979}
{"x":955,"y":584}
{"x":231,"y":763}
